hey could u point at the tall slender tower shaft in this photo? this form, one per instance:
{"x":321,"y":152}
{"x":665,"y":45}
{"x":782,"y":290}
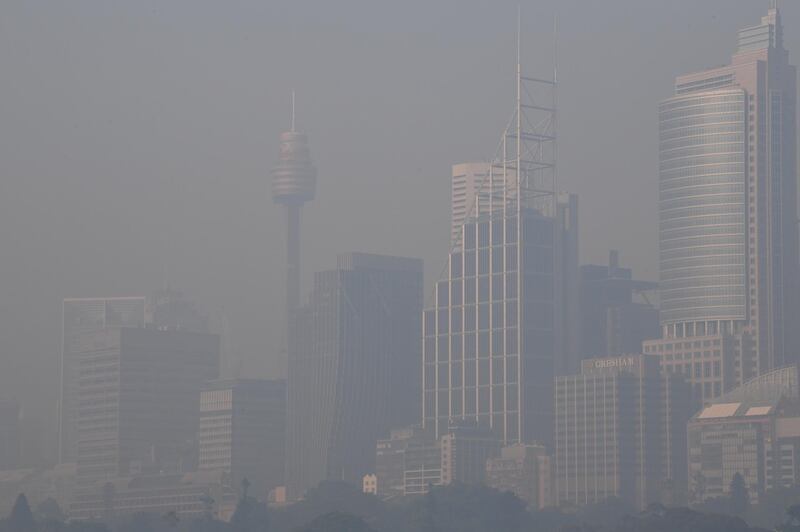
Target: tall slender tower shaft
{"x":294,"y":182}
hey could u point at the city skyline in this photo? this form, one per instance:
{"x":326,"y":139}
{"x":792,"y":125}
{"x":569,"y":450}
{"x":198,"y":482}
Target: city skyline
{"x":527,"y":361}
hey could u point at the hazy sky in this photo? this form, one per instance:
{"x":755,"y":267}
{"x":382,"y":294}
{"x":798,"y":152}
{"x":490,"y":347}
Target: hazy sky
{"x":136,"y":139}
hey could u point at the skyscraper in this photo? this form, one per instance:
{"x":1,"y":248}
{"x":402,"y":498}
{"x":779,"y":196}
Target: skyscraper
{"x":472,"y":182}
{"x":493,"y":330}
{"x":82,"y":316}
{"x":728,"y":205}
{"x":353,"y":368}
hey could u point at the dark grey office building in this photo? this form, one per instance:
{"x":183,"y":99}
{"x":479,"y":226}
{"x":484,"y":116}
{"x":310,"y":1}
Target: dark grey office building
{"x":353,"y":368}
{"x":139,"y":407}
{"x":620,"y":432}
{"x":243,"y":431}
{"x":615,"y":313}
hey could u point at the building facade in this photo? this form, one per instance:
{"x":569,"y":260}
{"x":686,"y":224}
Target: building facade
{"x":615,"y":314}
{"x":525,"y":471}
{"x":728,"y":208}
{"x":754,"y":431}
{"x":620,"y":432}
{"x":139,"y":408}
{"x":80,"y":316}
{"x":354,"y":368}
{"x":243,"y":431}
{"x":489,"y":338}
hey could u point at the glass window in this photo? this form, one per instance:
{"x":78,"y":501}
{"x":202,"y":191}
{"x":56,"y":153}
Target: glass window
{"x":455,"y":319}
{"x":455,"y":292}
{"x":469,"y":236}
{"x":483,"y":288}
{"x":455,"y":374}
{"x":469,"y":374}
{"x":455,"y":265}
{"x":483,"y":317}
{"x":511,"y":258}
{"x":456,"y":352}
{"x":430,"y":322}
{"x":483,"y":234}
{"x":483,"y":371}
{"x":497,"y":316}
{"x":497,"y":259}
{"x":469,"y":291}
{"x":497,"y":287}
{"x":498,"y":399}
{"x":469,"y":264}
{"x":483,"y":402}
{"x":442,"y":294}
{"x":469,"y":318}
{"x":497,"y":232}
{"x":483,"y":344}
{"x":511,"y":314}
{"x":470,"y":346}
{"x":443,"y":321}
{"x":497,"y":343}
{"x":498,"y":374}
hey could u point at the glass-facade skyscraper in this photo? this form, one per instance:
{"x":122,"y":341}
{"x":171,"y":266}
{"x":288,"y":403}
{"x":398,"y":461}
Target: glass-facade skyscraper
{"x":353,"y":368}
{"x":728,"y":214}
{"x":491,"y":337}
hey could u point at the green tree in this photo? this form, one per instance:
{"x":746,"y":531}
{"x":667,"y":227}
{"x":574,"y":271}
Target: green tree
{"x":21,"y":517}
{"x":739,"y":497}
{"x":792,"y":521}
{"x":336,"y":522}
{"x":250,"y":515}
{"x":49,"y":510}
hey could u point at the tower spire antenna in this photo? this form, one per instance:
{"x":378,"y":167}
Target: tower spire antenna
{"x":293,"y":112}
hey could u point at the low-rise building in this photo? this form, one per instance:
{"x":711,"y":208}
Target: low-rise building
{"x":754,"y":430}
{"x":524,"y":470}
{"x":190,"y":495}
{"x":411,"y":460}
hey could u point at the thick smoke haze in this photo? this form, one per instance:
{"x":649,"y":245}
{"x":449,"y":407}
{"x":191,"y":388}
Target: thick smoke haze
{"x":136,"y":140}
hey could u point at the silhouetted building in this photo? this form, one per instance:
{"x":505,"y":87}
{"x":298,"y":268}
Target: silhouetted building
{"x":411,"y":460}
{"x":243,"y":431}
{"x":620,"y":432}
{"x":753,"y":430}
{"x":170,"y":310}
{"x":616,"y":316}
{"x":82,"y":316}
{"x":406,"y":463}
{"x":192,"y":495}
{"x":139,"y":407}
{"x":354,"y":367}
{"x":525,"y":471}
{"x":728,"y":211}
{"x":465,"y":449}
{"x":568,"y":288}
{"x":10,"y":434}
